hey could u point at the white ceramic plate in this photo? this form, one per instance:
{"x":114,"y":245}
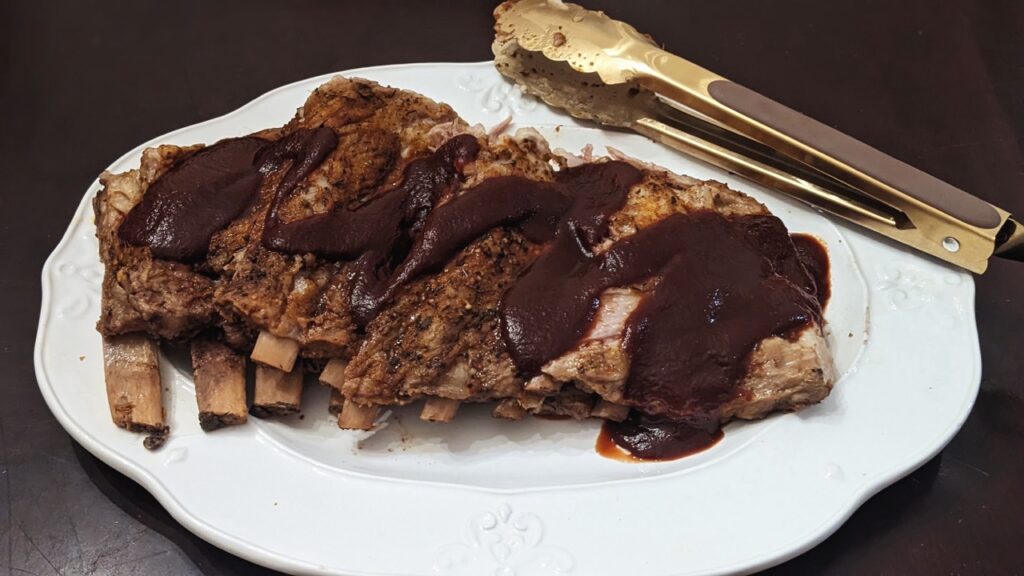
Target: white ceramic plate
{"x":484,"y":497}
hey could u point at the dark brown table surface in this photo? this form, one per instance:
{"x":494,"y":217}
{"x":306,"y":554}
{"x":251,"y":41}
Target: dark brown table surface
{"x":937,"y":84}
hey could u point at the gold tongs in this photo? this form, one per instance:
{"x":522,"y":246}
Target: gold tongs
{"x":601,"y":69}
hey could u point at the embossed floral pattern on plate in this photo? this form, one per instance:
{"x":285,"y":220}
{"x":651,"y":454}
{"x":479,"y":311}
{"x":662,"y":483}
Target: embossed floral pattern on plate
{"x":503,"y":543}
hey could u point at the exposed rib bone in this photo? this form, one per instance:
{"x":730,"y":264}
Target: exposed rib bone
{"x":275,"y":351}
{"x":336,"y":402}
{"x":131,"y":365}
{"x":439,"y":409}
{"x":334,"y":373}
{"x":357,"y":417}
{"x":532,"y":402}
{"x":277,"y":392}
{"x":508,"y":409}
{"x":220,"y":384}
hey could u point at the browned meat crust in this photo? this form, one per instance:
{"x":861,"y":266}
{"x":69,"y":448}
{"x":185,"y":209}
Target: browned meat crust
{"x":167,"y":299}
{"x":301,"y":297}
{"x":441,"y":336}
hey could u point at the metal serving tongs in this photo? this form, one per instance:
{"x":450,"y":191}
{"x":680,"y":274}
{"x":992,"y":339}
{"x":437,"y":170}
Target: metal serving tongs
{"x":601,"y":69}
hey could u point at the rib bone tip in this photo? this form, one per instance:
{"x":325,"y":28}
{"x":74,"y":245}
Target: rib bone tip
{"x":439,"y":410}
{"x":357,"y":417}
{"x":275,"y":351}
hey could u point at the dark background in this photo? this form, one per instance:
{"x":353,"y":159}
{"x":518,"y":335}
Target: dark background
{"x":937,"y":84}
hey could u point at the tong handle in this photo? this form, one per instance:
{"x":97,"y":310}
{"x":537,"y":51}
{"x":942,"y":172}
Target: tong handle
{"x":935,"y":217}
{"x":810,"y":142}
{"x":699,"y":146}
{"x":828,"y":149}
{"x":848,"y":159}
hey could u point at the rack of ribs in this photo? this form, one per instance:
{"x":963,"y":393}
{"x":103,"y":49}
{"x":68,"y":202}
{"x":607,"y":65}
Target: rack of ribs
{"x":381,"y":242}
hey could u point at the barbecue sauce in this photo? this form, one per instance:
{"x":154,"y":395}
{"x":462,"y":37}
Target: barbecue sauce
{"x":195,"y":198}
{"x":643,"y":438}
{"x":725,"y":285}
{"x":572,"y":209}
{"x":203,"y":192}
{"x":379,"y":233}
{"x":646,"y":438}
{"x":549,"y":308}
